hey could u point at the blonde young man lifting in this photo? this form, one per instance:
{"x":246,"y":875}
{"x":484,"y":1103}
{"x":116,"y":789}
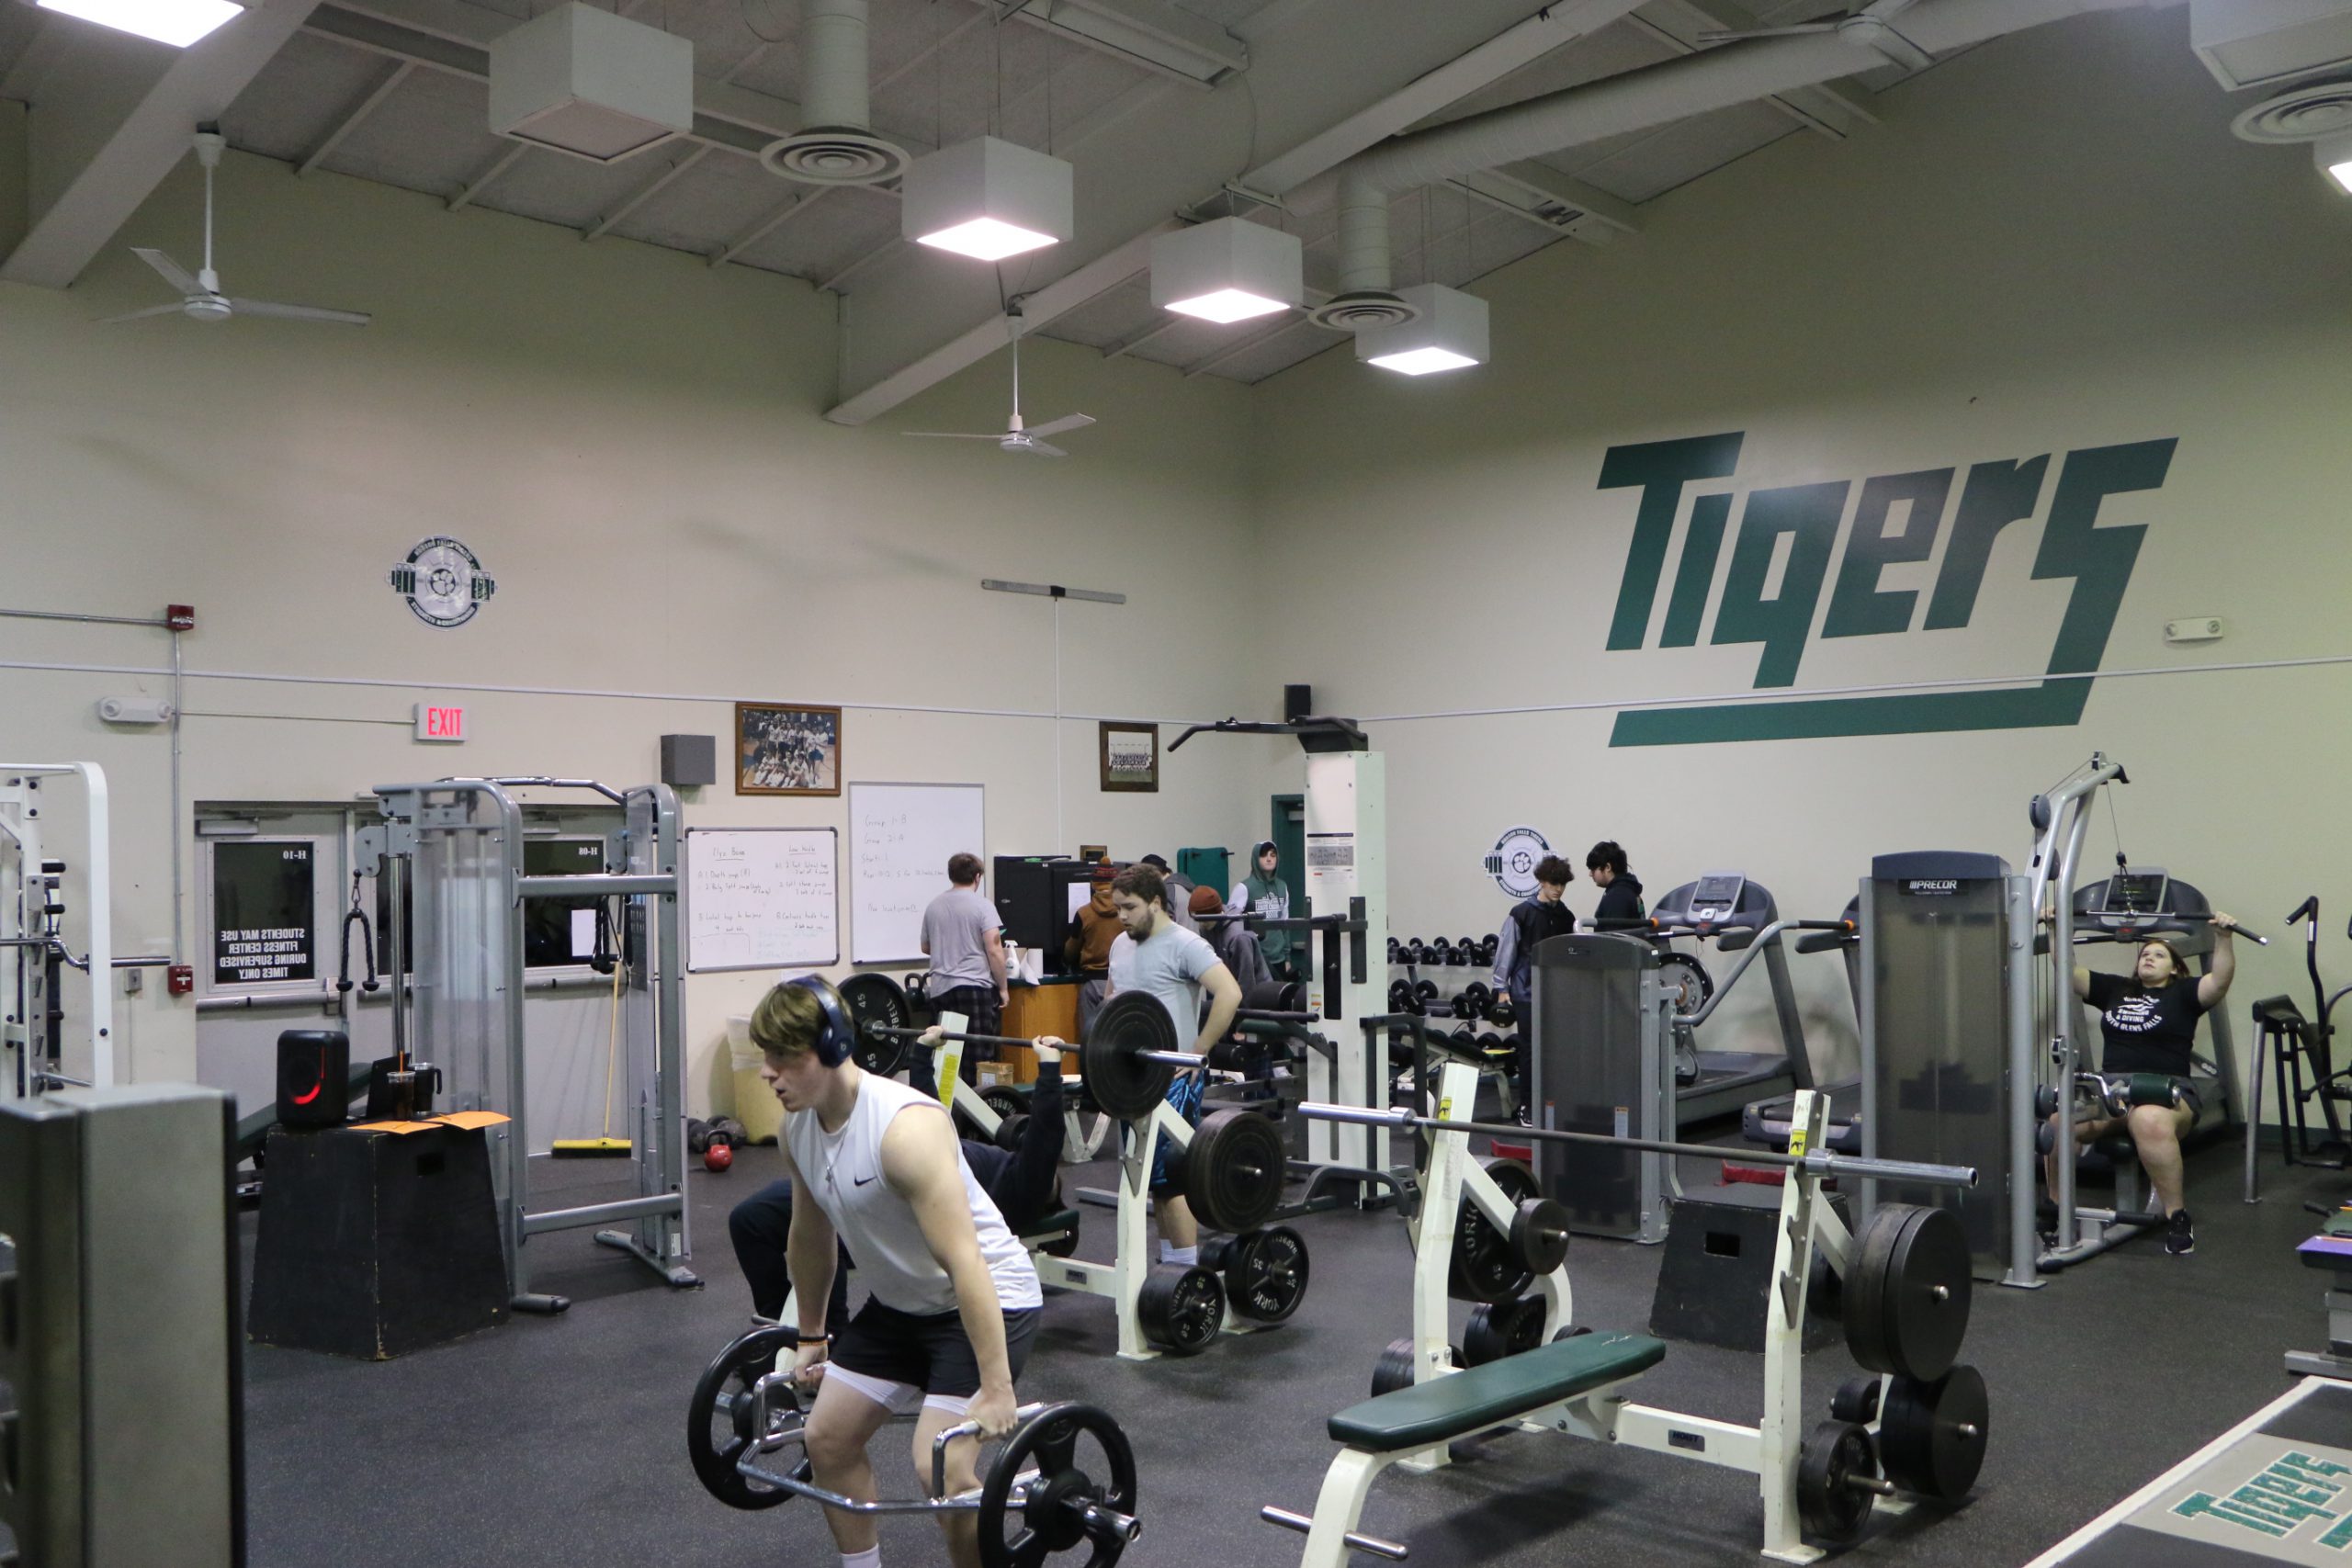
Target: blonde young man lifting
{"x":953,"y":1299}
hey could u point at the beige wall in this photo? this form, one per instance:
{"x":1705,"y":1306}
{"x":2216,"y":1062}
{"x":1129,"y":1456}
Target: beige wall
{"x":2050,"y":243}
{"x":631,"y":442}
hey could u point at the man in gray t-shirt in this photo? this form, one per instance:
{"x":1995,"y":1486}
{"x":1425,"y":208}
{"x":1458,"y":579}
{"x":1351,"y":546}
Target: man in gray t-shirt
{"x":1156,"y":956}
{"x":963,"y":938}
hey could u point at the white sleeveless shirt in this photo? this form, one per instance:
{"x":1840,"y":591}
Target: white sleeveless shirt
{"x":842,"y":1171}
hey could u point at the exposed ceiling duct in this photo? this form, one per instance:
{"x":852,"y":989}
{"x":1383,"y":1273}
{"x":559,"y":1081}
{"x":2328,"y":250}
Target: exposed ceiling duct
{"x":835,"y":146}
{"x":1729,"y":75}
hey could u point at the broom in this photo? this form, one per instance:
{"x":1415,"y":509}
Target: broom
{"x":608,"y":1146}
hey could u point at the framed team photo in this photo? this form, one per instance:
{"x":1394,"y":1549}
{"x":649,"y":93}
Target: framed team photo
{"x":785,"y":748}
{"x":1130,"y":755}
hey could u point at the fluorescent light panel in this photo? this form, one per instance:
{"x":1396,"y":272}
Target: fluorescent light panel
{"x":1422,"y":361}
{"x":988,"y":199}
{"x":1224,"y":305}
{"x":2334,"y":156}
{"x":1449,"y":334}
{"x":1226,"y":270}
{"x":986,"y":239}
{"x":175,"y":22}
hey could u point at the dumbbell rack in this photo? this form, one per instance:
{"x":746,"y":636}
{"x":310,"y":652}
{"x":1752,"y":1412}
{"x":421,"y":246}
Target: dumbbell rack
{"x":1773,"y":1449}
{"x":1496,"y":1068}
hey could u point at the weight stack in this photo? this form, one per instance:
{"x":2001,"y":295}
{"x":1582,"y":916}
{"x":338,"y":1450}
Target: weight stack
{"x":373,"y":1245}
{"x":1713,"y":1281}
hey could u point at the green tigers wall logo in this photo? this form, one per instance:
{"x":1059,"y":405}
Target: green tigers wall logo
{"x":2098,"y":560}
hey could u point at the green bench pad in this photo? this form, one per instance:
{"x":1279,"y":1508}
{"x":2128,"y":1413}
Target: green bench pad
{"x":1053,"y":1224}
{"x":1461,"y":1403}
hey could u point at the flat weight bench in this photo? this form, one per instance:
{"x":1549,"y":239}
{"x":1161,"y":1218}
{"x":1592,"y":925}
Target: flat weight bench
{"x":1382,"y":1430}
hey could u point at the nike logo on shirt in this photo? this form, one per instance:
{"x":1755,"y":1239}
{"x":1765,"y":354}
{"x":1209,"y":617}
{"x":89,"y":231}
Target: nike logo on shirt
{"x":862,"y":1180}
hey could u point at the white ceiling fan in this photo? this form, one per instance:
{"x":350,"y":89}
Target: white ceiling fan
{"x":200,"y":296}
{"x":1872,"y":26}
{"x":1015,"y":438}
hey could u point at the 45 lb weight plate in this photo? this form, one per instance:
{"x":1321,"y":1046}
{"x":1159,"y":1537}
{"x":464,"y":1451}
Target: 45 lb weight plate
{"x":1234,"y":1169}
{"x":1906,"y":1303}
{"x":1931,"y":1435}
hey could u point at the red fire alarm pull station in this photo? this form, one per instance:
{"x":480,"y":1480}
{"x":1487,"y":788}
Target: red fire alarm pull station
{"x":180,"y":980}
{"x":180,"y":617}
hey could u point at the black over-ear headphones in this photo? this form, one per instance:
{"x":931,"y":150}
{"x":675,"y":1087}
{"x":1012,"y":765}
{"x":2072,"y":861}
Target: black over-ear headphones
{"x":837,"y":1035}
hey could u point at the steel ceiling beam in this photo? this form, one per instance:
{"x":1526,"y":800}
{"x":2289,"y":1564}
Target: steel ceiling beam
{"x":395,"y":71}
{"x":644,"y":194}
{"x":115,"y":116}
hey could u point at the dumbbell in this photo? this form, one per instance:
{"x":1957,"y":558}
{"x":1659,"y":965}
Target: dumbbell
{"x":1413,"y":951}
{"x":1400,"y":997}
{"x":1473,"y":1001}
{"x":1395,"y":951}
{"x":1502,"y":1010}
{"x":1441,"y":952}
{"x":1488,"y":945}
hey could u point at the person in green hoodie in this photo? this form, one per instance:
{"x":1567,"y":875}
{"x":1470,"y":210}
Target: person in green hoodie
{"x":1265,"y":893}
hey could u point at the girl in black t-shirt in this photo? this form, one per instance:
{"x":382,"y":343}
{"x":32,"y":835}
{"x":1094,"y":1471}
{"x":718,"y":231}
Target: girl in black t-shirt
{"x":2148,"y":1022}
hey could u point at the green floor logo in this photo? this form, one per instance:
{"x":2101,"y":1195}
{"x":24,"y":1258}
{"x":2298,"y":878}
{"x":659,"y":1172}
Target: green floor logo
{"x":1994,"y":494}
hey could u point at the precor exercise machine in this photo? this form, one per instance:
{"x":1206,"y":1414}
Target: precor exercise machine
{"x":457,"y":847}
{"x":1608,"y":1007}
{"x":1957,"y":985}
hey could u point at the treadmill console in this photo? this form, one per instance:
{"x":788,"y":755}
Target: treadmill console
{"x":2137,"y":890}
{"x":1716,"y":896}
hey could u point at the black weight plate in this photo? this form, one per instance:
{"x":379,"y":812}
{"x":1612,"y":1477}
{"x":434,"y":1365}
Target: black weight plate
{"x":1502,"y":1329}
{"x":1865,"y":1287}
{"x":718,"y":1419}
{"x":1830,"y":1507}
{"x":1265,"y":1274}
{"x":1394,"y":1369}
{"x":1485,"y":1267}
{"x":1182,"y":1309}
{"x":874,"y":999}
{"x":1049,"y":1518}
{"x":1011,"y":1130}
{"x":1926,"y":1296}
{"x":1234,"y":1170}
{"x":1122,"y":1082}
{"x":1825,"y":1292}
{"x":1856,"y":1401}
{"x":1539,"y":1235}
{"x":1003,"y":1102}
{"x":1686,"y":979}
{"x":1932,"y":1435}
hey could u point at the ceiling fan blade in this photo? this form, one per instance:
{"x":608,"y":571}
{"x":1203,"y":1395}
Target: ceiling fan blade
{"x":1068,"y":421}
{"x":1035,"y":448}
{"x":169,"y":270}
{"x":299,"y":312}
{"x":143,"y":315}
{"x":952,"y":435}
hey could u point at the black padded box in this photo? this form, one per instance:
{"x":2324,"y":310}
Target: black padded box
{"x":1713,"y":1281}
{"x":375,"y":1243}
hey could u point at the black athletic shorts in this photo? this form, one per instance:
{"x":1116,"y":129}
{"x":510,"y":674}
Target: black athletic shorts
{"x":927,"y":1351}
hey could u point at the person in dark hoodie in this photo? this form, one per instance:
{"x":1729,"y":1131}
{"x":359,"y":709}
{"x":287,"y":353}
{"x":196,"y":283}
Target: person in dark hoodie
{"x":1092,"y":932}
{"x":1621,"y":890}
{"x":1530,"y":922}
{"x":1235,"y":942}
{"x":1263,"y":891}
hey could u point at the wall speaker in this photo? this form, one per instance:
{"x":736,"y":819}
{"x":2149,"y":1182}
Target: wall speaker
{"x":1297,"y":701}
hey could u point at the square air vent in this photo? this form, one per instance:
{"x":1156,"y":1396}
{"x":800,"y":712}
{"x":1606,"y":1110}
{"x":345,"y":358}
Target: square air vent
{"x":590,"y":84}
{"x":2253,"y":43}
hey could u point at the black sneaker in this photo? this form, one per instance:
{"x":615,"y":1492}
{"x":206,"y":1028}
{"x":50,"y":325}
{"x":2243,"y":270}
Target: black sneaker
{"x":1519,"y":1115}
{"x":2180,"y":1237}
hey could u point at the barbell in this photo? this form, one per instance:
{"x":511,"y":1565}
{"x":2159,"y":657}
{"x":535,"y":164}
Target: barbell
{"x":1820,"y":1162}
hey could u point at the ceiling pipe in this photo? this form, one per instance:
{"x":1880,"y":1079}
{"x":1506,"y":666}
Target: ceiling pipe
{"x":1721,"y":77}
{"x":1367,"y":295}
{"x":835,"y":146}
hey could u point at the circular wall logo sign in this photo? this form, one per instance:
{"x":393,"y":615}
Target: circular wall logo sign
{"x":1512,"y":862}
{"x":443,"y":582}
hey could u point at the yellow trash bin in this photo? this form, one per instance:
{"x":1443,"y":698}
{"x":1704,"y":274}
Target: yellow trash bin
{"x":755,"y":1104}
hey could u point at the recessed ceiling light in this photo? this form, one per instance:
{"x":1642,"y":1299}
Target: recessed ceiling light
{"x":2334,"y":156}
{"x":986,"y":239}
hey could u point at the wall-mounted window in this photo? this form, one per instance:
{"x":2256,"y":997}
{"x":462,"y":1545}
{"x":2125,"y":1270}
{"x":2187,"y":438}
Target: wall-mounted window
{"x":268,"y":889}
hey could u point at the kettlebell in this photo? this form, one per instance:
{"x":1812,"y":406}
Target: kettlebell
{"x":718,"y":1159}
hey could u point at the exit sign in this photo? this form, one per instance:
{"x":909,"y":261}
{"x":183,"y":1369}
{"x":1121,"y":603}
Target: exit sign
{"x":434,"y":722}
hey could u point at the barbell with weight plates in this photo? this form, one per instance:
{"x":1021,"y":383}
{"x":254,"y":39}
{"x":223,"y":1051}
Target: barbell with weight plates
{"x":1036,"y":1500}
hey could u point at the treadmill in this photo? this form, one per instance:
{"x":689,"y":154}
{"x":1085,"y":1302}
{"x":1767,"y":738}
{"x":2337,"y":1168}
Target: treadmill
{"x":1766,"y":1123}
{"x":1726,"y":907}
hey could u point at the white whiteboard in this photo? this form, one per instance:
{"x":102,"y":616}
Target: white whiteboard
{"x":763,"y":898}
{"x":900,"y":837}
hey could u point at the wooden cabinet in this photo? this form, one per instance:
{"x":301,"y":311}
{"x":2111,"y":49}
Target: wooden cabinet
{"x":1035,"y":1011}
